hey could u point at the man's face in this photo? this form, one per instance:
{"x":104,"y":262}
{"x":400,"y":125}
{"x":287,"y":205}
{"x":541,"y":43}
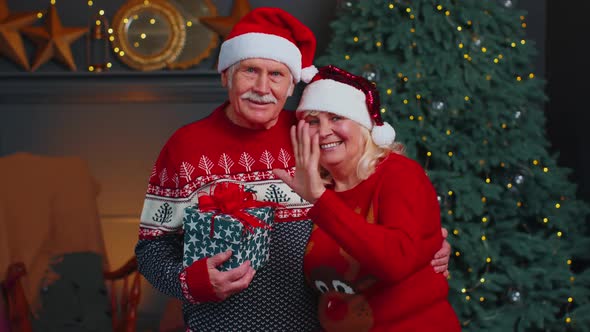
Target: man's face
{"x":258,"y":91}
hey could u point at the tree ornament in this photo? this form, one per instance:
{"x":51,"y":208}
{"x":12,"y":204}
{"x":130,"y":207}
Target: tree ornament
{"x":370,"y":73}
{"x":514,"y":295}
{"x":507,"y":3}
{"x":438,"y":105}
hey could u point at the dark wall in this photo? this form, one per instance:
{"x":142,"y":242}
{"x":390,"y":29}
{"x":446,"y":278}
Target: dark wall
{"x":568,"y":110}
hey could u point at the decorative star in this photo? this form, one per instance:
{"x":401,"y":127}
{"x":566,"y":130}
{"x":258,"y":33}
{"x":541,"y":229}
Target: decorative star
{"x":11,"y":42}
{"x":53,"y":40}
{"x":222,"y":25}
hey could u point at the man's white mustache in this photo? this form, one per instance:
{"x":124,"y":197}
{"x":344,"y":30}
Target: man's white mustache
{"x":267,"y":98}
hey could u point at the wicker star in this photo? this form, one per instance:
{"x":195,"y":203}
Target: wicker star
{"x":223,"y":24}
{"x":53,"y":40}
{"x":11,"y":42}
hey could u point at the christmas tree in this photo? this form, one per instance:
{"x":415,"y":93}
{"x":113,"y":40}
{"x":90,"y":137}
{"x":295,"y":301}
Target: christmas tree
{"x":456,"y":82}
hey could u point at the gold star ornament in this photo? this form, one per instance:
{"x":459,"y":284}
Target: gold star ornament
{"x":53,"y":40}
{"x":223,"y":24}
{"x":11,"y":42}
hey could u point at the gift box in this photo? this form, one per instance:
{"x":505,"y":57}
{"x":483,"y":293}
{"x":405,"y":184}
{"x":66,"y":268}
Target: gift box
{"x":229,"y":219}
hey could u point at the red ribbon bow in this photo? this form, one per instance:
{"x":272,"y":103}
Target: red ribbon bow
{"x":230,"y":198}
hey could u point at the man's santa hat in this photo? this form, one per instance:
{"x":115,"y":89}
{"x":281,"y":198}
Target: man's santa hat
{"x":271,"y":33}
{"x":337,"y":91}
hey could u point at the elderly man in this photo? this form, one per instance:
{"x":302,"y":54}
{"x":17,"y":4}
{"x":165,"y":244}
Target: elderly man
{"x":265,"y":55}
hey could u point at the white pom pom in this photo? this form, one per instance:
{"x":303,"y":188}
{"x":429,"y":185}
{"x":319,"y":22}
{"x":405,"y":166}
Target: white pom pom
{"x":383,"y":135}
{"x":308,"y":73}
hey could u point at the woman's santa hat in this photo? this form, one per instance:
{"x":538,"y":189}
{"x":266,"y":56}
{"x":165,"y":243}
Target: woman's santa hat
{"x":271,"y":33}
{"x":337,"y":91}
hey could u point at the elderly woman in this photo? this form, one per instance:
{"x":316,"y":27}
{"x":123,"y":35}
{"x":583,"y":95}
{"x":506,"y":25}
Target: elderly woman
{"x":376,"y":214}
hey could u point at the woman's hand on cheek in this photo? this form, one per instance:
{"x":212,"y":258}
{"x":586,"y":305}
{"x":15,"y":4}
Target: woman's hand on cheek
{"x":307,"y":181}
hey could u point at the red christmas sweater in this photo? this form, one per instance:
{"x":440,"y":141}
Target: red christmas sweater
{"x":370,"y":251}
{"x":194,"y":159}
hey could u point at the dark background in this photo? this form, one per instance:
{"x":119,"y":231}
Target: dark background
{"x":118,"y":121}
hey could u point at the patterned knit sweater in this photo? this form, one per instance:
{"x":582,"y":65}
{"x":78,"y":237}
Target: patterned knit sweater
{"x":369,"y":255}
{"x":196,"y":157}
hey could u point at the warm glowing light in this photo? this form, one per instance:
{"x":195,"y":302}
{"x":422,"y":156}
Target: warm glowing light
{"x":559,"y":234}
{"x":447,"y":13}
{"x":531,"y":75}
{"x":513,"y":44}
{"x":389,"y":91}
{"x":126,"y":20}
{"x":482,"y":280}
{"x":545,"y":220}
{"x":448,"y":131}
{"x":391,"y":6}
{"x":457,"y":254}
{"x":483,"y":49}
{"x":136,"y":44}
{"x":488,"y":260}
{"x":412,"y":17}
{"x":459,"y":28}
{"x":39,"y":15}
{"x":424,"y":138}
{"x":378,"y":44}
{"x":568,"y":320}
{"x":483,"y":199}
{"x":420,"y":118}
{"x":122,"y":53}
{"x":189,"y":24}
{"x":90,"y":68}
{"x":110,"y":30}
{"x":450,"y":153}
{"x":90,"y":3}
{"x":460,"y":45}
{"x":569,"y":262}
{"x":101,"y":12}
{"x":484,"y":219}
{"x":383,"y":110}
{"x":450,"y":193}
{"x":509,"y":185}
{"x":519,"y":204}
{"x":518,"y":78}
{"x":481,"y":299}
{"x":488,"y":180}
{"x":468,"y":298}
{"x":439,"y":7}
{"x":152,"y":21}
{"x":418,"y":97}
{"x":456,"y":231}
{"x":53,"y":2}
{"x":523,"y":42}
{"x":545,"y":169}
{"x":356,"y":39}
{"x":535,"y":162}
{"x":116,"y":49}
{"x":570,"y":299}
{"x":450,"y":212}
{"x":483,"y":238}
{"x":405,"y":101}
{"x":496,"y":60}
{"x":112,"y":38}
{"x":412,"y":30}
{"x":409,"y":10}
{"x":109,"y":65}
{"x":466,"y":98}
{"x":463,"y":290}
{"x":347,"y":57}
{"x":429,"y":154}
{"x":557,"y":205}
{"x":411,"y":117}
{"x":97,"y":22}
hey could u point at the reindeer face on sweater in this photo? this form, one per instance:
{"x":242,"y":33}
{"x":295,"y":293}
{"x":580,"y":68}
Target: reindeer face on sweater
{"x":336,"y":276}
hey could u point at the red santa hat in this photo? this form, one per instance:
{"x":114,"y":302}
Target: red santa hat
{"x":337,"y":91}
{"x":271,"y":33}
